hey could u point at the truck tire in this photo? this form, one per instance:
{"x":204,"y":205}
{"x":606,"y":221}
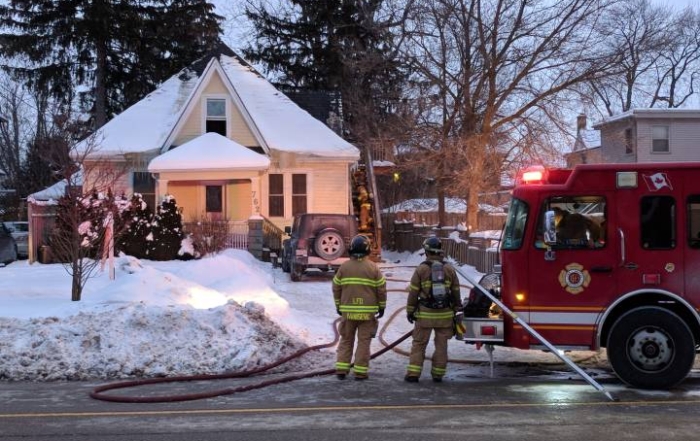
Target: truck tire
{"x":286,"y":267}
{"x":296,"y":272}
{"x":651,"y":348}
{"x":329,"y":244}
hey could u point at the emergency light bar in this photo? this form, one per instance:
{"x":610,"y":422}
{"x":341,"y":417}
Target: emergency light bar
{"x":533,"y":175}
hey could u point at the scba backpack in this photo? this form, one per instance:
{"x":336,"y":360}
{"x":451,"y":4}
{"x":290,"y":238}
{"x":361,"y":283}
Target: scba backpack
{"x":438,"y":297}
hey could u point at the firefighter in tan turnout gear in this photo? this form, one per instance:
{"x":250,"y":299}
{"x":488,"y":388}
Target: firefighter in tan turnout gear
{"x":359,"y":291}
{"x":434,"y":305}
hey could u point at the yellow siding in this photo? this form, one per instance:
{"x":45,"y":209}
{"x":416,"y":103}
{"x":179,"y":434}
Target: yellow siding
{"x":187,"y":196}
{"x":329,"y":188}
{"x":194,"y":124}
{"x":190,"y":196}
{"x":192,"y":127}
{"x":238,"y":200}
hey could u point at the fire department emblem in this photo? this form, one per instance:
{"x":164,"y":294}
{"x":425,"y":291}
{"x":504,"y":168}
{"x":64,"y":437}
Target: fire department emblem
{"x":574,"y":278}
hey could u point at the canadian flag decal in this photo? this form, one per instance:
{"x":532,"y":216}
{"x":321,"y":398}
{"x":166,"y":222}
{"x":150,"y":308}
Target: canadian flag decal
{"x":657,"y":181}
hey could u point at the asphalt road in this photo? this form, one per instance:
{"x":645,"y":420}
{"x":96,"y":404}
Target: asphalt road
{"x":517,"y":404}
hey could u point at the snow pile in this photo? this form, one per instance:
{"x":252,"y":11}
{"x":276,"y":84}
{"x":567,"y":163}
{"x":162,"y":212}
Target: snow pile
{"x":138,"y":340}
{"x":149,"y":323}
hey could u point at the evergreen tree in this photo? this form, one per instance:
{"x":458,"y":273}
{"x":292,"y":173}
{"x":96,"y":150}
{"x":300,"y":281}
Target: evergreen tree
{"x":118,"y":49}
{"x":137,"y":220}
{"x":345,"y":46}
{"x":43,"y":164}
{"x":166,"y":231}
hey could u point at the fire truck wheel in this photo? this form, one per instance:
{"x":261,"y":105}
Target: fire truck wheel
{"x":651,"y":348}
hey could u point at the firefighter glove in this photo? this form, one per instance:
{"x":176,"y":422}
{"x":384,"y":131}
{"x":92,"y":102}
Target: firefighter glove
{"x":410,"y":317}
{"x":380,"y":313}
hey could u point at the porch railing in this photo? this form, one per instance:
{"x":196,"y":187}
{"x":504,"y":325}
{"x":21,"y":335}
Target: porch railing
{"x":272,"y":236}
{"x":237,"y":235}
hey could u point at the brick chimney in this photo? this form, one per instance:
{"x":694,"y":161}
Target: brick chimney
{"x":581,"y":123}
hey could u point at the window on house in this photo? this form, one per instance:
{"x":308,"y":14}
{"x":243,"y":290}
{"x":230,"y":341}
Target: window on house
{"x":298,"y":194}
{"x":628,"y":142}
{"x":660,"y":139}
{"x":276,"y":198}
{"x":216,"y":116}
{"x":145,"y":184}
{"x":658,"y":222}
{"x":214,"y":198}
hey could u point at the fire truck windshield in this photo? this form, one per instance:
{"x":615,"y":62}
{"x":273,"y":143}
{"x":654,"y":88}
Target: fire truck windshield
{"x":515,"y":225}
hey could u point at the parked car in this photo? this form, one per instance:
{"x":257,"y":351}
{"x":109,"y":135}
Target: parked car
{"x":317,"y":240}
{"x":20,"y":231}
{"x":8,"y":246}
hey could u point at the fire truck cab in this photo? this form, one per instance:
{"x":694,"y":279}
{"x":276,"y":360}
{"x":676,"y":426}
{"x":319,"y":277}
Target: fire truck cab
{"x":605,"y":255}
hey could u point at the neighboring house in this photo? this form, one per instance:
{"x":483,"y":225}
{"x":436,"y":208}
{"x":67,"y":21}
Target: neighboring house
{"x":587,"y":149}
{"x":651,"y":135}
{"x":227,"y":145}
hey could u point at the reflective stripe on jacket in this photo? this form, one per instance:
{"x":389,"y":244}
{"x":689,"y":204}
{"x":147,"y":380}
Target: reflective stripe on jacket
{"x":359,"y":289}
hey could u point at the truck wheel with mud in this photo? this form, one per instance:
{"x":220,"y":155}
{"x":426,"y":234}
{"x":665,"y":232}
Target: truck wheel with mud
{"x":651,"y":348}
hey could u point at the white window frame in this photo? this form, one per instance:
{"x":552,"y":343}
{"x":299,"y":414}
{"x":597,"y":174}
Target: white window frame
{"x":654,"y":138}
{"x":225,"y":118}
{"x":287,"y":190}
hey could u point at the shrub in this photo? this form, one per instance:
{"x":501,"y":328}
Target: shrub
{"x":208,"y":235}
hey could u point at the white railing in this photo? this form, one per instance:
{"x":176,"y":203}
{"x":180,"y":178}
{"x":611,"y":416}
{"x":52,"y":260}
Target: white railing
{"x":237,"y":235}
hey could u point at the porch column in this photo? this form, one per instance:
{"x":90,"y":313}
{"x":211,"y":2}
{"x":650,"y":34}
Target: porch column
{"x":161,"y":189}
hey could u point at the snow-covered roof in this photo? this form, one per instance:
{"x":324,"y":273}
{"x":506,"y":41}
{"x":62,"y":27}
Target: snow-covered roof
{"x":57,"y":190}
{"x":277,"y":121}
{"x":284,"y":125}
{"x":210,"y":151}
{"x":651,"y":113}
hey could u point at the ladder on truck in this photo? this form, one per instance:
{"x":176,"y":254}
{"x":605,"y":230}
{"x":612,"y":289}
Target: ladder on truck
{"x":366,"y":204}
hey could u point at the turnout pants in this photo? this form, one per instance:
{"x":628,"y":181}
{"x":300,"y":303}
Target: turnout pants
{"x":365,"y":331}
{"x":421,"y":336}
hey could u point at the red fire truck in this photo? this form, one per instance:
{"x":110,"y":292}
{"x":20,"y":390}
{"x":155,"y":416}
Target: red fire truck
{"x":603,"y":255}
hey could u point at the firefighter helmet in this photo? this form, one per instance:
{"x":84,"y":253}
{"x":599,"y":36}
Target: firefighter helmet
{"x":432,"y":245}
{"x":359,"y":246}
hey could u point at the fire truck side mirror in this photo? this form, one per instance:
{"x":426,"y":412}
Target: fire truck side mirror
{"x":550,"y":230}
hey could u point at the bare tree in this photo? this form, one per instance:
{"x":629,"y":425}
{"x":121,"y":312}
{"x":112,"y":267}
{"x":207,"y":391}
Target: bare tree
{"x":660,"y":57}
{"x":678,"y":70}
{"x":84,"y":220}
{"x":493,"y":80}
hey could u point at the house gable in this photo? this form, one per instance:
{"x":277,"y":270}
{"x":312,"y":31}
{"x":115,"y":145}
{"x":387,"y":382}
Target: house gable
{"x":213,"y":83}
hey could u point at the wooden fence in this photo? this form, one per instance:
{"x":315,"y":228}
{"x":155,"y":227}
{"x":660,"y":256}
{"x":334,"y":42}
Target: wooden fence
{"x":479,"y":252}
{"x":487,"y":221}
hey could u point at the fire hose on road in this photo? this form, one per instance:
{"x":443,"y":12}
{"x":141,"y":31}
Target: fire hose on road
{"x":99,"y":393}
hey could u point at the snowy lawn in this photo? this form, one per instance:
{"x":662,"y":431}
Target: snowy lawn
{"x":223,"y":313}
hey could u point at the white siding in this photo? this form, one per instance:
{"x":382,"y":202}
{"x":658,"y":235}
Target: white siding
{"x":684,"y":135}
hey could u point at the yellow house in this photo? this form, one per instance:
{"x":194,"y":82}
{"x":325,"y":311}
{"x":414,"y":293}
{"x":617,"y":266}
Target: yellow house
{"x":226,"y":144}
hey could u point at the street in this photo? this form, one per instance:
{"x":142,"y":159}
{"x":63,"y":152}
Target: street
{"x":518,"y":403}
